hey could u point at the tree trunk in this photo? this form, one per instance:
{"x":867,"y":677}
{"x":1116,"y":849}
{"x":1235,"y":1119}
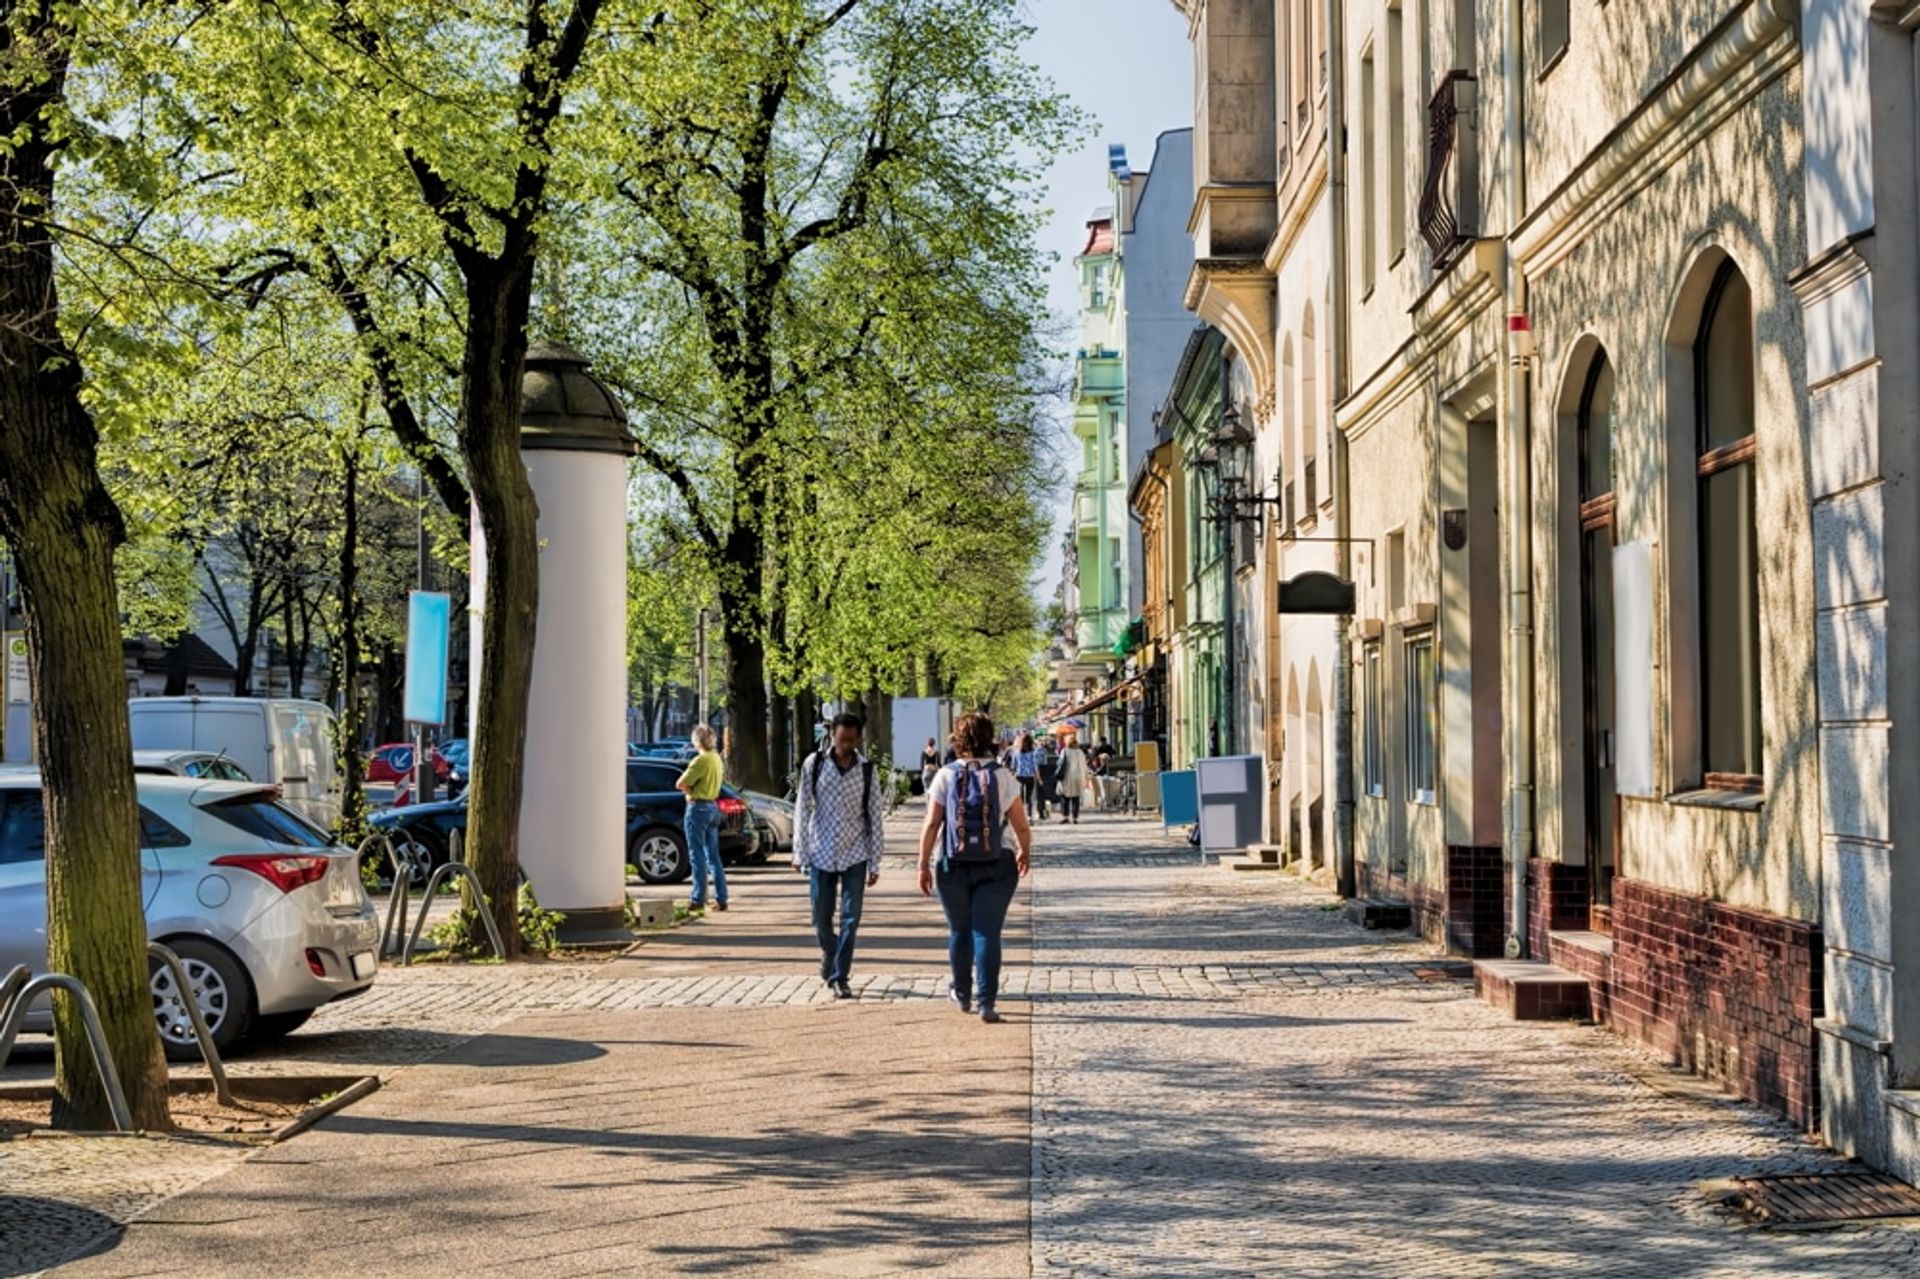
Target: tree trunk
{"x":748,"y":766}
{"x":503,"y":495}
{"x":353,"y":803}
{"x":63,"y":527}
{"x":780,"y":734}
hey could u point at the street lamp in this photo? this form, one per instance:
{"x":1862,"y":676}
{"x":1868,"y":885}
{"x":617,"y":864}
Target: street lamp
{"x":1229,"y":454}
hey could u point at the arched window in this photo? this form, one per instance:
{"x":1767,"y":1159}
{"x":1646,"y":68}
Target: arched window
{"x":1594,"y":459}
{"x":1289,"y":423}
{"x":1729,"y":563}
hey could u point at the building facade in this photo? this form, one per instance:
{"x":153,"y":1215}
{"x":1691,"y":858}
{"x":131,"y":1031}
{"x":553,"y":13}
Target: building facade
{"x":1568,"y":327}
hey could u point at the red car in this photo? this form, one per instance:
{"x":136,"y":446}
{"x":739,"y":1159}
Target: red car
{"x":393,"y":763}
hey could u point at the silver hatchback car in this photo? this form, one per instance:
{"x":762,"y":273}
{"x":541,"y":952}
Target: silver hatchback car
{"x":267,"y":914}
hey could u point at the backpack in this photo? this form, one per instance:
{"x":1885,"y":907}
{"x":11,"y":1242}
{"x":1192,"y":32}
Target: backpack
{"x":866,"y":784}
{"x":973,"y":814}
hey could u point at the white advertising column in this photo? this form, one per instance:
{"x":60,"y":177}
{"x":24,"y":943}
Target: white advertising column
{"x":573,"y":809}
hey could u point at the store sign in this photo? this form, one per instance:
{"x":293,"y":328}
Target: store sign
{"x":19,"y":688}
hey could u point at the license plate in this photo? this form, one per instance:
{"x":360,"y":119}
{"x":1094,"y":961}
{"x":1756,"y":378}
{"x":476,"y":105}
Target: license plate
{"x":364,"y":964}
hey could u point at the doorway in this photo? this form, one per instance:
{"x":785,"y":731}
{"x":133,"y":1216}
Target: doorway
{"x":1594,"y":430}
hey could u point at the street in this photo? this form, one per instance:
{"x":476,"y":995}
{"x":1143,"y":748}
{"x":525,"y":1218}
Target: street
{"x":1201,"y":1073}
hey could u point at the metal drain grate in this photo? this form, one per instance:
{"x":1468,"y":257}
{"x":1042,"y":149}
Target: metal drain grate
{"x":1810,"y":1199}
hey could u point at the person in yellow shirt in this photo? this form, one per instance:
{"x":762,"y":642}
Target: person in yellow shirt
{"x":700,"y":783}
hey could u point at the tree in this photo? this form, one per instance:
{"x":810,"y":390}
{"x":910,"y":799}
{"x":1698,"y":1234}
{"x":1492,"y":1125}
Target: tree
{"x":63,"y":527}
{"x":822,"y":206}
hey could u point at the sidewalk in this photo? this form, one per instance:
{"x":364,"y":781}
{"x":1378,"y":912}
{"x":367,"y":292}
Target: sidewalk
{"x":1203,"y":1073}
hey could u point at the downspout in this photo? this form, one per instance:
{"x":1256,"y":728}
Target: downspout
{"x":1518,"y":435}
{"x":1345,"y":867}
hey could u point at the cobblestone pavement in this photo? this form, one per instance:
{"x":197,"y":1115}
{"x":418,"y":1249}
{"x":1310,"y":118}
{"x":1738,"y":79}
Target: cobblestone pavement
{"x":1314,"y":1112}
{"x":1227,"y":1079}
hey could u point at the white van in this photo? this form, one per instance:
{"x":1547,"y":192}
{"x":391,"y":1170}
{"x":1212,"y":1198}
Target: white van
{"x":280,"y":741}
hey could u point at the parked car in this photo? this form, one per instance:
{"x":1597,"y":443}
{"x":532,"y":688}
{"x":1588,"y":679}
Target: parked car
{"x":277,"y":741}
{"x":266,"y":913}
{"x":656,"y":822}
{"x":394,"y":763}
{"x":458,"y":753}
{"x":188,"y":764}
{"x":775,"y":816}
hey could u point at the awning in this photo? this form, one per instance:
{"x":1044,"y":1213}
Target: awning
{"x":1099,"y":699}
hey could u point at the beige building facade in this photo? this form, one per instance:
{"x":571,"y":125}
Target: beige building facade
{"x":1592,"y":338}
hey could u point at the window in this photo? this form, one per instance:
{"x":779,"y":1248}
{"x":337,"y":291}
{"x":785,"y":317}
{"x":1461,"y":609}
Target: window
{"x":157,"y":832}
{"x":646,"y":779}
{"x":1118,"y":595}
{"x":1729,"y":564}
{"x":1421,"y":764}
{"x":23,"y":830}
{"x":1373,"y":763}
{"x":1396,"y":134}
{"x":1369,"y":206}
{"x":1556,"y":29}
{"x":263,"y":817}
{"x":1100,"y":286}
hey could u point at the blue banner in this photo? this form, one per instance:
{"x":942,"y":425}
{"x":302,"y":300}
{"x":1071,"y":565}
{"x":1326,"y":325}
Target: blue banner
{"x":429,"y":619}
{"x":1179,"y":798}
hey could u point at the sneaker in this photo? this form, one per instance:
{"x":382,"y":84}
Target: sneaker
{"x":841,"y":990}
{"x":960,"y":1001}
{"x":826,"y":970}
{"x":988,"y":1013}
{"x":719,"y":905}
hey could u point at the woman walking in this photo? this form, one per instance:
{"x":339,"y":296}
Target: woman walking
{"x":929,"y":765}
{"x":978,"y":825}
{"x":1073,"y":780}
{"x":701,"y":785}
{"x":1026,"y":768}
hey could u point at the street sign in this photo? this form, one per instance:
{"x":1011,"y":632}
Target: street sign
{"x":429,"y":618}
{"x":1317,"y":593}
{"x":19,"y":687}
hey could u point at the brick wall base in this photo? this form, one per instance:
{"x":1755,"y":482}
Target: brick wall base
{"x":1728,"y":993}
{"x":1476,"y":901}
{"x":1429,"y":906}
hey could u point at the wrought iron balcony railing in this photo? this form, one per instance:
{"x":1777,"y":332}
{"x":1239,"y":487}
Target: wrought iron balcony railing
{"x":1449,"y":197}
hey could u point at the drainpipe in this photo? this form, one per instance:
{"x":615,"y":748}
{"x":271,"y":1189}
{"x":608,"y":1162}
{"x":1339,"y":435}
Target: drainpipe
{"x":1518,"y":435}
{"x":1345,"y":869}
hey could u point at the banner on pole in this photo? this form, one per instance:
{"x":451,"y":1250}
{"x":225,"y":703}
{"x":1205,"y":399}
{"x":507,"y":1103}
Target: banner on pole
{"x":429,"y":618}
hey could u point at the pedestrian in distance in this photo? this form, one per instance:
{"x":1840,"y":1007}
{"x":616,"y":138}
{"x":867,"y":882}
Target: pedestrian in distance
{"x":838,"y":844}
{"x":1073,"y":780}
{"x":1100,"y":767}
{"x":1026,"y":768}
{"x":929,"y":765}
{"x":1049,"y":776}
{"x":700,"y":783}
{"x":977,"y":825}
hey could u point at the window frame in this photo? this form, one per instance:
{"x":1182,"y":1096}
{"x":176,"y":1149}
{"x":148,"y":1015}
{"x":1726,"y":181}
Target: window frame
{"x":1373,"y":762}
{"x":1709,"y":463}
{"x":1423,"y":747}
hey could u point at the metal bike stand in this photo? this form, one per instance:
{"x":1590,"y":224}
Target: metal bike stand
{"x":479,"y":905}
{"x":208,"y":1052}
{"x":25,"y":991}
{"x":402,"y":861}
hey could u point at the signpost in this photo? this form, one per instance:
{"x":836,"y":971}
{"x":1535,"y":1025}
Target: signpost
{"x":424,"y":702}
{"x":16,"y":699}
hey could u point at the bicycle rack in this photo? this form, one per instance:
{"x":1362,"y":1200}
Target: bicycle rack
{"x":402,"y":860}
{"x":479,"y":904}
{"x":208,"y":1052}
{"x":17,"y":991}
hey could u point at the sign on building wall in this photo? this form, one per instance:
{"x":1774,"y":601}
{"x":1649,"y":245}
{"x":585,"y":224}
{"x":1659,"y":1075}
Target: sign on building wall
{"x":1633,"y":668}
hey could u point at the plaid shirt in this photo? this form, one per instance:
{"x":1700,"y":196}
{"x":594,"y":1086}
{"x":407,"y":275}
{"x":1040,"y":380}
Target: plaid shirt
{"x":830,"y":832}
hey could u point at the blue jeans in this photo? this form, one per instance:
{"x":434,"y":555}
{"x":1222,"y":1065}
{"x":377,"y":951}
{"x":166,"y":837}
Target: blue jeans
{"x":850,"y":888}
{"x":975,"y":897}
{"x":703,"y":851}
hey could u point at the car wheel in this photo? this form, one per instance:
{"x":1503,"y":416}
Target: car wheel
{"x":219,"y":986}
{"x":279,"y":1025}
{"x":660,"y":855}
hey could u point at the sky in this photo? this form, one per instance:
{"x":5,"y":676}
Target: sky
{"x":1128,"y":65}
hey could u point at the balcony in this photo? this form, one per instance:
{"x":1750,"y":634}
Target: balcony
{"x":1450,"y":195}
{"x":1086,"y":509}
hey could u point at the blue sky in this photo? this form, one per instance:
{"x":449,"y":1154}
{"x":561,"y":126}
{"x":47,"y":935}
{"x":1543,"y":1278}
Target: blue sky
{"x":1126,"y":63}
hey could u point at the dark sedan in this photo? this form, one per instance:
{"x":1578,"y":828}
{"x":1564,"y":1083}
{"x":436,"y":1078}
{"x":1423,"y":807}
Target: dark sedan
{"x":656,"y":822}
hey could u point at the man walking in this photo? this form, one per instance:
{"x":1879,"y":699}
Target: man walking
{"x":837,"y":841}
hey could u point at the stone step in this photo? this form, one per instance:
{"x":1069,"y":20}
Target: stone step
{"x":1380,"y":912}
{"x":1903,"y":1134}
{"x":1532,"y":990}
{"x":1249,"y":861}
{"x":1267,"y":853}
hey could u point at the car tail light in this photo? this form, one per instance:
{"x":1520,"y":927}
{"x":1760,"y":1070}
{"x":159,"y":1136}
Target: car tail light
{"x":285,"y":871}
{"x":315,"y":963}
{"x":732,"y":806}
